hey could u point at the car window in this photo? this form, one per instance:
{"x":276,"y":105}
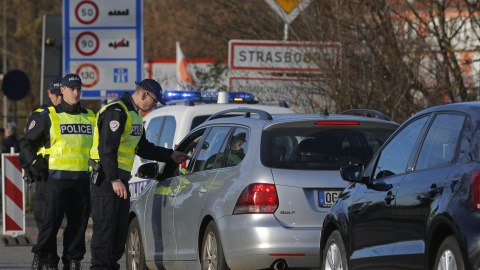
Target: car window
{"x":188,"y":146}
{"x":440,"y":144}
{"x":153,"y":130}
{"x":326,"y":149}
{"x":167,"y":133}
{"x":236,"y":149}
{"x":394,"y":157}
{"x":211,"y":146}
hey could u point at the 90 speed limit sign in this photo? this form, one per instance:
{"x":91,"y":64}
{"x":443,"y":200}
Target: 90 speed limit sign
{"x":87,"y":43}
{"x":89,"y":74}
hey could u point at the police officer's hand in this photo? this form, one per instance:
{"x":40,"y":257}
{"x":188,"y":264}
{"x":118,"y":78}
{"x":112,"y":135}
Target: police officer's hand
{"x":119,"y":189}
{"x":39,"y":164}
{"x":179,"y":157}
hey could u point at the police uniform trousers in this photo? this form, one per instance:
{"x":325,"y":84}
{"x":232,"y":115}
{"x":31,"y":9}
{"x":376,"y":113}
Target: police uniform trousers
{"x":110,"y":226}
{"x":40,"y":188}
{"x":70,"y":199}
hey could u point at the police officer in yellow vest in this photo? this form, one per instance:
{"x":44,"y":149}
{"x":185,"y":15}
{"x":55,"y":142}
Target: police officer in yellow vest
{"x":65,"y":133}
{"x":118,"y":136}
{"x":55,"y":97}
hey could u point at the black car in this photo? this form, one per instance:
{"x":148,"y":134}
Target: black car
{"x":416,"y":204}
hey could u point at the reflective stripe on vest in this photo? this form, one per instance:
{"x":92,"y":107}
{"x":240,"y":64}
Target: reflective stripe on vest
{"x":71,"y":137}
{"x":128,"y":141}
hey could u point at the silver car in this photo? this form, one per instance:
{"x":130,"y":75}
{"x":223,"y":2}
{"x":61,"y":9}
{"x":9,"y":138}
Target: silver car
{"x":253,"y":195}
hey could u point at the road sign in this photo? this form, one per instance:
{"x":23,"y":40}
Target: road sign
{"x":264,"y":55}
{"x":288,"y":10}
{"x":103,"y":44}
{"x":105,"y":78}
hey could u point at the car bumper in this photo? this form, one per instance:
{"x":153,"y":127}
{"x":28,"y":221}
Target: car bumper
{"x":256,"y":241}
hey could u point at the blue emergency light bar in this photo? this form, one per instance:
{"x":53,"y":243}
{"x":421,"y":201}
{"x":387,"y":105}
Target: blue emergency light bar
{"x":208,"y":96}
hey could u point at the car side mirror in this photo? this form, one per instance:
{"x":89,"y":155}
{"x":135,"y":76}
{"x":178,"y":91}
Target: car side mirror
{"x":353,"y":173}
{"x":148,"y":171}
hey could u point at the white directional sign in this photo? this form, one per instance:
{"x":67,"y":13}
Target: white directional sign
{"x":265,"y":55}
{"x":103,"y":44}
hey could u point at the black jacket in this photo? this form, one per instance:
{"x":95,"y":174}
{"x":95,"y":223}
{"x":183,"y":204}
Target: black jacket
{"x":109,"y":141}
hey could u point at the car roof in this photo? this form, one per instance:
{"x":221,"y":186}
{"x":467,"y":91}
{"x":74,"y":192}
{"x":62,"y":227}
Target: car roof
{"x":205,"y":109}
{"x":288,"y":119}
{"x":466,"y":107}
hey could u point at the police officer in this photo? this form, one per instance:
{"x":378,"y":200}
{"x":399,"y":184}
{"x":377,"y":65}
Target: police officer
{"x":118,"y":136}
{"x":65,"y":133}
{"x":55,"y":96}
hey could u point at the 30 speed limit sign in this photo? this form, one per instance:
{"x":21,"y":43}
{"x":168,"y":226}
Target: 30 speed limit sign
{"x":89,"y":74}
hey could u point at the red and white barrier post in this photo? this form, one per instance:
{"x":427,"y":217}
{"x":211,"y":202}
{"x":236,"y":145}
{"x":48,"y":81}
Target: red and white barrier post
{"x":13,"y":190}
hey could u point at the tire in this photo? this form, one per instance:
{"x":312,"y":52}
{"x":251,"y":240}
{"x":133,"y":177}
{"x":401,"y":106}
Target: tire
{"x":334,"y":256}
{"x":135,"y":255}
{"x":449,"y":256}
{"x":212,"y":257}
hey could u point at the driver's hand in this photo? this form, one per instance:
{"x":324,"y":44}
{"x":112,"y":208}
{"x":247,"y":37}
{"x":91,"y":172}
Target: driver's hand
{"x":179,"y":157}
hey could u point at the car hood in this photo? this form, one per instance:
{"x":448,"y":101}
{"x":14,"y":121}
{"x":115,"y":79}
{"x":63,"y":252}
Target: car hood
{"x":298,"y":194}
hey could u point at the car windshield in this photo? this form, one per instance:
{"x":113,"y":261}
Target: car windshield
{"x":325,"y":149}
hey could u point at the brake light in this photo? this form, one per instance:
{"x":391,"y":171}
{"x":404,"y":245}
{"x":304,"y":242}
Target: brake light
{"x":338,"y":123}
{"x":475,"y":189}
{"x":257,"y":199}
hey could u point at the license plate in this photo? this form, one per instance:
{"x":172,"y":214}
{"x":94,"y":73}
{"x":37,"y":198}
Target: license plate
{"x":326,"y":198}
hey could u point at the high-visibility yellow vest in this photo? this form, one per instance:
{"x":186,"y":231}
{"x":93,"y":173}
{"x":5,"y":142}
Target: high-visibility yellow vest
{"x":71,"y":138}
{"x":130,"y":137}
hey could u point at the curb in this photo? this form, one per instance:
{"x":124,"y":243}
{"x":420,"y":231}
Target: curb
{"x":32,"y":232}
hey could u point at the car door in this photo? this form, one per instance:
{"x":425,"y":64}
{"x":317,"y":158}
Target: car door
{"x":371,"y":227}
{"x":160,"y":131}
{"x":192,"y":191}
{"x":159,"y":214}
{"x":419,"y":193}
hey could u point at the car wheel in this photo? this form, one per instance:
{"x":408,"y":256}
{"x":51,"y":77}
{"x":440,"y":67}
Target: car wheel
{"x":135,"y":255}
{"x":449,"y":256}
{"x":334,"y":255}
{"x":212,"y":249}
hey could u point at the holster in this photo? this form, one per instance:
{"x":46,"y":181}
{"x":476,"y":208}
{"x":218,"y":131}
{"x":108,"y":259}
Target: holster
{"x":96,"y":174}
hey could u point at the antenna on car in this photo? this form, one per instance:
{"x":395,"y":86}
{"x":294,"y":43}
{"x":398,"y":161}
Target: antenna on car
{"x":325,"y":112}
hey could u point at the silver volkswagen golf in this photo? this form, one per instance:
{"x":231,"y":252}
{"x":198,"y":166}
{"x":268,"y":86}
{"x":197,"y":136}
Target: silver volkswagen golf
{"x":253,"y":195}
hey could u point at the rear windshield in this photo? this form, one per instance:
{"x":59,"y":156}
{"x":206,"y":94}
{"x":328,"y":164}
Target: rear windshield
{"x":326,"y":149}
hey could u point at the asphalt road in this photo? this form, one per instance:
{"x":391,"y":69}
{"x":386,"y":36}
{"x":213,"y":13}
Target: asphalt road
{"x":20,"y":257}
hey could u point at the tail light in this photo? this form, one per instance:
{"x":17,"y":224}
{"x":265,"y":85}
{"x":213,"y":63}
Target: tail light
{"x":257,"y":199}
{"x":475,"y":189}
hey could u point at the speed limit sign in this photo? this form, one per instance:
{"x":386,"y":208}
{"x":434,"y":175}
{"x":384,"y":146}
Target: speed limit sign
{"x":87,"y":43}
{"x":89,"y":74}
{"x":86,"y":12}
